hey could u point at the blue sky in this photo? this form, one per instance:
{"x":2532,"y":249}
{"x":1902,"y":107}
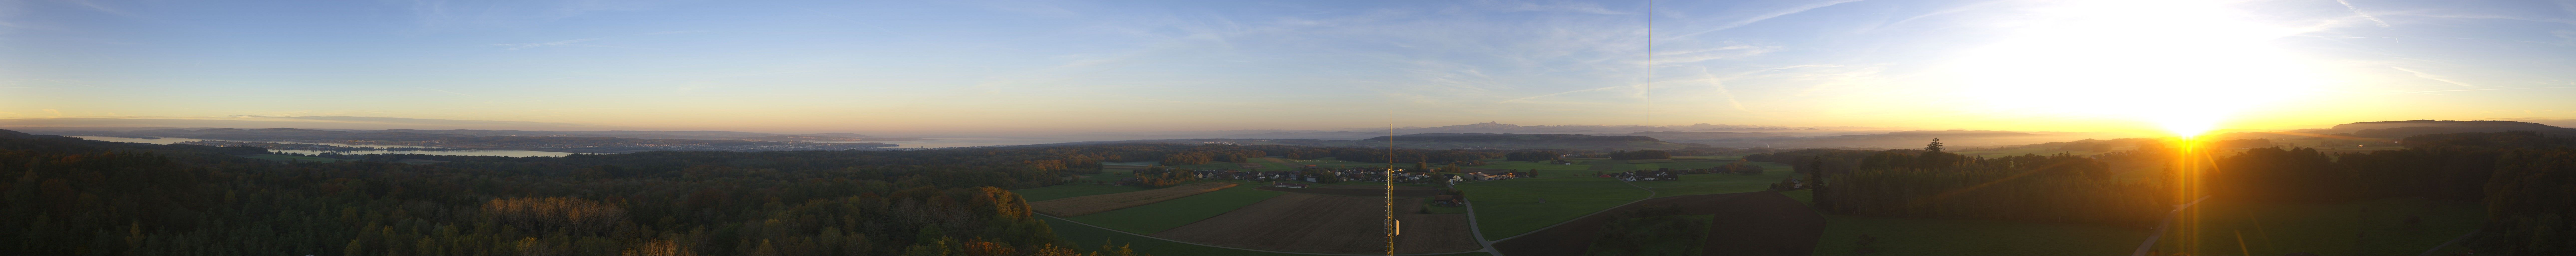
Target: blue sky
{"x":1006,"y":66}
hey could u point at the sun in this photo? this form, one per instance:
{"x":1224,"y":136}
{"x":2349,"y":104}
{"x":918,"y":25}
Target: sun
{"x":2184,"y":65}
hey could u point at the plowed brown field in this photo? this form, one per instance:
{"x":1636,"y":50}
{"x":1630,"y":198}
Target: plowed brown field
{"x":1087,"y":205}
{"x":1328,"y":224}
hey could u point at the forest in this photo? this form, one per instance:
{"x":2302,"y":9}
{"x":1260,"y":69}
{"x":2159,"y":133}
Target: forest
{"x":80,"y":197}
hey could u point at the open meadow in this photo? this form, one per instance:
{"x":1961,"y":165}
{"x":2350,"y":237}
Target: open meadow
{"x":1715,"y":183}
{"x":1510,"y":207}
{"x":1328,"y":224}
{"x":1585,"y":167}
{"x":1152,"y":218}
{"x":1089,"y":238}
{"x":1645,"y":240}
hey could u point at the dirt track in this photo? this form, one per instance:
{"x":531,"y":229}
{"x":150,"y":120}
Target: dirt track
{"x":1354,"y":190}
{"x":1752,"y":223}
{"x":1328,"y":224}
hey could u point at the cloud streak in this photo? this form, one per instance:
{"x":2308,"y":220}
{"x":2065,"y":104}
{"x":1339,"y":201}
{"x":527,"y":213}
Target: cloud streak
{"x":1760,"y":18}
{"x":1567,"y":92}
{"x":674,"y":32}
{"x":547,"y":44}
{"x":2347,"y":5}
{"x":2423,"y":75}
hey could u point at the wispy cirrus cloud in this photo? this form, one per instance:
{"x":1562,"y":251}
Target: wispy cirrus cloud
{"x":674,"y":32}
{"x":2421,"y":74}
{"x":573,"y":42}
{"x":1767,"y":16}
{"x":1550,"y":6}
{"x":2347,"y":5}
{"x":477,"y":13}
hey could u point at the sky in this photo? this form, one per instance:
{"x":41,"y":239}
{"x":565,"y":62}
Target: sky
{"x":944,"y":67}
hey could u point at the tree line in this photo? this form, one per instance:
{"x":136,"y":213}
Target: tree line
{"x":1640,"y":154}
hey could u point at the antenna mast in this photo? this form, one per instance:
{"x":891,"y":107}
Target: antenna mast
{"x":1390,"y":184}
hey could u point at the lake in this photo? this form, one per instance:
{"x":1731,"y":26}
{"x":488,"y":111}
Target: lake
{"x":473,"y":152}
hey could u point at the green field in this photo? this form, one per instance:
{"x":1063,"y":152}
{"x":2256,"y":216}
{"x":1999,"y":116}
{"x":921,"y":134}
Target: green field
{"x":1718,"y":158}
{"x":1716,"y":183}
{"x":1426,"y":204}
{"x":1208,"y":166}
{"x":1702,"y":164}
{"x":1803,"y":196}
{"x":1510,"y":207}
{"x":2360,"y":228}
{"x":1318,"y":162}
{"x":1267,"y":164}
{"x":1166,"y":215}
{"x":1545,"y":170}
{"x":1913,"y":236}
{"x":1586,"y":167}
{"x":1072,"y":190}
{"x":1662,"y":245}
{"x":289,"y":158}
{"x":1089,"y":238}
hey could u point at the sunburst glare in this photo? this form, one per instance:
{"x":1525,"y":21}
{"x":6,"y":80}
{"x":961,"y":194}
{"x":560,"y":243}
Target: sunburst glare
{"x":2182,"y":65}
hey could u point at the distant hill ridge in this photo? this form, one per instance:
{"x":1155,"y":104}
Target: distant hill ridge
{"x":1509,"y":137}
{"x":2400,"y":129}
